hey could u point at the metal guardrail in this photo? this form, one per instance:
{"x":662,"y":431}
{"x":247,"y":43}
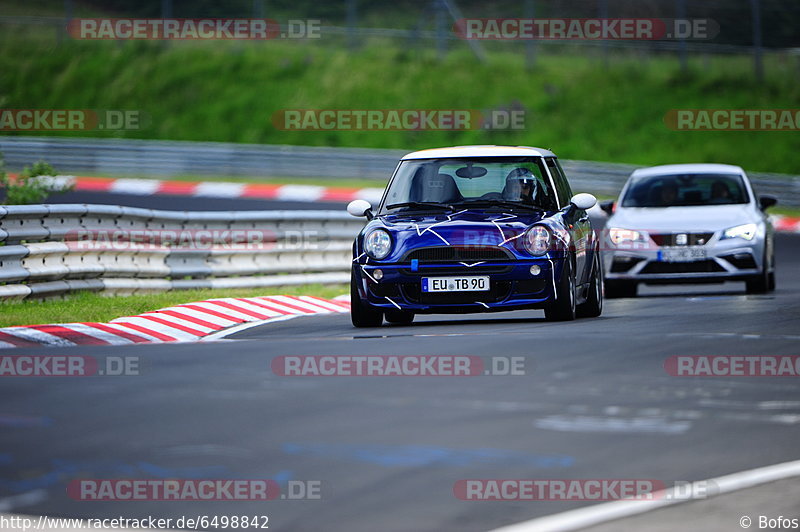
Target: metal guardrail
{"x":114,"y":157}
{"x":53,"y":249}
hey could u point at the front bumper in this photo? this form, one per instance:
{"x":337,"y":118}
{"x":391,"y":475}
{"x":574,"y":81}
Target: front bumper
{"x":725,"y":260}
{"x":512,"y":286}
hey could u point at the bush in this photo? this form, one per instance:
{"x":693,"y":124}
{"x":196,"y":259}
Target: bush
{"x":29,"y":187}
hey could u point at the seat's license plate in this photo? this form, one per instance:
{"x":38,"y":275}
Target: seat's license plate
{"x":455,"y":284}
{"x":687,"y":254}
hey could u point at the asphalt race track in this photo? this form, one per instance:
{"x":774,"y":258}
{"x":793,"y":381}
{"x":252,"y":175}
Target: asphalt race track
{"x":595,"y":402}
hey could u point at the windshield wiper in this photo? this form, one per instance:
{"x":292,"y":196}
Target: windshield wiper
{"x":499,"y":203}
{"x":421,"y":204}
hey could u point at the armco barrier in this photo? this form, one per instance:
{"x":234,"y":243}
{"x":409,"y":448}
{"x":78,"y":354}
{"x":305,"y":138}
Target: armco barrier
{"x":154,"y":158}
{"x":48,"y":250}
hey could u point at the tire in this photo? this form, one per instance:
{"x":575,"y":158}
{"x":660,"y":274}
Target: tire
{"x":593,"y":306}
{"x":399,"y":317}
{"x":760,"y":283}
{"x":563,"y":308}
{"x":362,"y":315}
{"x":617,"y":289}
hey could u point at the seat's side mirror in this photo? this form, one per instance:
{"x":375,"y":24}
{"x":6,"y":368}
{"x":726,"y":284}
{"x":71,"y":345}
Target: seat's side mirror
{"x":766,"y":201}
{"x":607,"y":206}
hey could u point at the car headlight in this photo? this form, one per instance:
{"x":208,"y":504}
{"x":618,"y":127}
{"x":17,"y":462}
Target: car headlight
{"x":625,"y":238}
{"x":537,"y":240}
{"x":746,"y":231}
{"x":378,"y":244}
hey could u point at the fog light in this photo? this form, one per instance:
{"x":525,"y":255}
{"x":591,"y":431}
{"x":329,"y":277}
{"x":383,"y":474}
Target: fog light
{"x":377,"y":274}
{"x":535,"y":270}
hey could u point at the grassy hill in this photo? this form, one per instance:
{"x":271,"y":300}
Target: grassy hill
{"x":575,"y":104}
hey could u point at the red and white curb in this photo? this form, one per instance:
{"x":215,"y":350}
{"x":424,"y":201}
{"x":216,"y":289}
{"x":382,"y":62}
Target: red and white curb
{"x":786,"y":224}
{"x":190,"y":322}
{"x":218,"y":189}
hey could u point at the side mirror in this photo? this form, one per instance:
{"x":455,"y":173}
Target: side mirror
{"x":359,"y":208}
{"x":607,"y":206}
{"x":583,"y":201}
{"x":767,"y":201}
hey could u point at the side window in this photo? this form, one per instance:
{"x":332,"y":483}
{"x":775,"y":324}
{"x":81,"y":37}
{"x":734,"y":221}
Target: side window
{"x":562,"y":186}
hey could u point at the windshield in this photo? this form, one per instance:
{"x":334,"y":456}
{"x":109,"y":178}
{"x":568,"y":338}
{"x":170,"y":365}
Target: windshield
{"x":503,"y":181}
{"x":686,"y":189}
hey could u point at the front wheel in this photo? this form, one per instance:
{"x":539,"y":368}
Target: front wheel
{"x":593,"y":306}
{"x":361,"y":314}
{"x":563,"y":308}
{"x":762,"y":282}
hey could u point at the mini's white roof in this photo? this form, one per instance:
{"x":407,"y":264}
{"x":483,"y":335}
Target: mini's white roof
{"x":479,"y":151}
{"x":697,"y":168}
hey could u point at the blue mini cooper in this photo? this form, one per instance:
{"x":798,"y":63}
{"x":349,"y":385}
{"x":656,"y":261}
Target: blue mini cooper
{"x":476,"y":229}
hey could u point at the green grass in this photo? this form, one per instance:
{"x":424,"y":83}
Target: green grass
{"x":228,"y":91}
{"x":94,"y":307}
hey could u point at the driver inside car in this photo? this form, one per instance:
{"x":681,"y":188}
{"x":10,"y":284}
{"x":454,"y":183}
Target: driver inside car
{"x":520,"y":186}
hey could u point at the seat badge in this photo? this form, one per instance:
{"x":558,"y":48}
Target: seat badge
{"x":681,"y":239}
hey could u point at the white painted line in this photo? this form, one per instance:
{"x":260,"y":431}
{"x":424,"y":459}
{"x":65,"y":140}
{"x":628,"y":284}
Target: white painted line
{"x":271,"y":303}
{"x":611,"y":511}
{"x":23,"y":499}
{"x":140,"y":187}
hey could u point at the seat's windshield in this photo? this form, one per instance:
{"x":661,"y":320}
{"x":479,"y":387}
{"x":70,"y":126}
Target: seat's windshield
{"x":505,"y":182}
{"x":685,"y":190}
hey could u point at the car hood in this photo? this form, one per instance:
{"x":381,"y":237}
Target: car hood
{"x":687,"y":219}
{"x":492,"y":228}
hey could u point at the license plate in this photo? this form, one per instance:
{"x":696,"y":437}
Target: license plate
{"x":455,"y":284}
{"x":688,"y":254}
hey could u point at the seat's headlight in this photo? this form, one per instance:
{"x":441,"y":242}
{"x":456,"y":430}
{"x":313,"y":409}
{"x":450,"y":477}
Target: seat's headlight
{"x":537,"y":240}
{"x":745,"y":231}
{"x":626,"y":238}
{"x":378,"y":244}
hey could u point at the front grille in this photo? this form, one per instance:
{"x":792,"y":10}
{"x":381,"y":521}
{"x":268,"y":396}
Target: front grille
{"x":624,"y":264}
{"x":692,"y":239}
{"x":499,"y":290}
{"x":743,"y":261}
{"x":700,"y":266}
{"x":481,"y":269}
{"x":457,"y":254}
